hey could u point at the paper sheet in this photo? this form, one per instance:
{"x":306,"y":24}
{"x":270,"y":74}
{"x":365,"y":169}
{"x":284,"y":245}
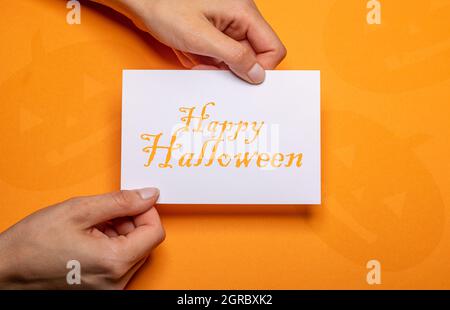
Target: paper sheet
{"x":207,"y":137}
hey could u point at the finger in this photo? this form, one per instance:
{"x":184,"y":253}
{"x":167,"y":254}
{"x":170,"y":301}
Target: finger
{"x":101,"y":227}
{"x":90,"y":211}
{"x":207,"y":63}
{"x":110,"y":232}
{"x":203,"y":60}
{"x":123,"y":225}
{"x":105,"y":230}
{"x":130,"y":273}
{"x":149,"y":218}
{"x":269,"y":49}
{"x":192,"y":61}
{"x":185,"y":61}
{"x":241,"y":60}
{"x":96,"y":232}
{"x":205,"y":67}
{"x":148,"y":234}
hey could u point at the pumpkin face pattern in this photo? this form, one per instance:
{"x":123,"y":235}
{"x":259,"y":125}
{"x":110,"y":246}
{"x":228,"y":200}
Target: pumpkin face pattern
{"x":70,"y":125}
{"x":410,"y":49}
{"x":379,"y":200}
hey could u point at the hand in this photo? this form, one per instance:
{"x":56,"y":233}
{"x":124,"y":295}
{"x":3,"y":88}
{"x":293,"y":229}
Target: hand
{"x":210,"y":34}
{"x":110,"y":235}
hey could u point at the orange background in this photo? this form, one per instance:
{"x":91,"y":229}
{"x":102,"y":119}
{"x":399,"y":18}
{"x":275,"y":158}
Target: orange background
{"x":385,"y":114}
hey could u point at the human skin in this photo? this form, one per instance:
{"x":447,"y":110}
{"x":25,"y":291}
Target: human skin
{"x":209,"y":34}
{"x":110,"y":235}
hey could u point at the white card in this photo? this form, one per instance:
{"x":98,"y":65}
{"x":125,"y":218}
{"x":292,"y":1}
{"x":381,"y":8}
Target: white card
{"x":206,"y":137}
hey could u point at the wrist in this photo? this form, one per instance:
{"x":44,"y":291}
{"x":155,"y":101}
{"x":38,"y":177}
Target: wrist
{"x":133,"y":9}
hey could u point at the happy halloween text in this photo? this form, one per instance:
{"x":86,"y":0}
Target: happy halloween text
{"x":217,"y":132}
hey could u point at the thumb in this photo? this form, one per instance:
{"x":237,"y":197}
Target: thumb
{"x":93,"y":210}
{"x":240,"y":58}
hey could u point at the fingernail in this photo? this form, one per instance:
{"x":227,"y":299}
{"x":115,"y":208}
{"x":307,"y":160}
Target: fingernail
{"x":147,"y":193}
{"x":256,"y":74}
